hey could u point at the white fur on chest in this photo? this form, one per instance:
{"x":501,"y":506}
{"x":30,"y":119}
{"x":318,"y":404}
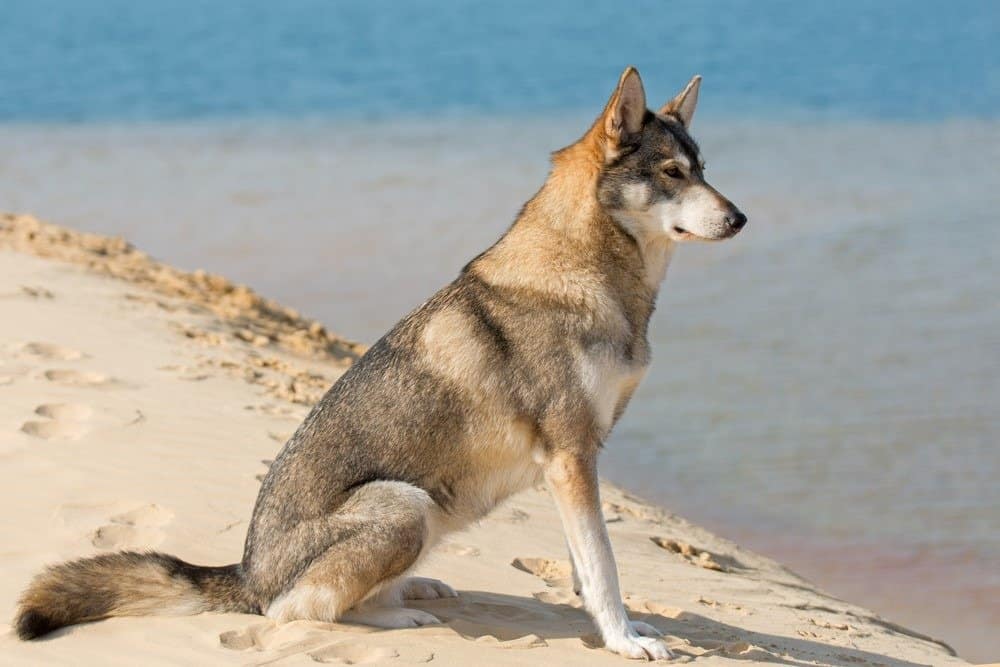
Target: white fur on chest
{"x":608,"y":381}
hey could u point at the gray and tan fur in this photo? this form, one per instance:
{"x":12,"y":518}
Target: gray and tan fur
{"x":511,"y":375}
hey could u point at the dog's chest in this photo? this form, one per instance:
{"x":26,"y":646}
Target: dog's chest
{"x":608,"y":380}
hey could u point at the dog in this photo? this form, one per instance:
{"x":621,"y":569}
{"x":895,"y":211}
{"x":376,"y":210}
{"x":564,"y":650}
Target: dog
{"x":512,"y":375}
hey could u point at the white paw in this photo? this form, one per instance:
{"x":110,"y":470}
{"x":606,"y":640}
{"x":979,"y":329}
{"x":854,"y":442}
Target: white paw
{"x":390,"y":617}
{"x":424,"y":588}
{"x":404,"y":617}
{"x":639,"y":648}
{"x":645,"y":629}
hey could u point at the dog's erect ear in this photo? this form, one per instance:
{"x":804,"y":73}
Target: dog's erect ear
{"x":683,"y":105}
{"x":624,"y":114}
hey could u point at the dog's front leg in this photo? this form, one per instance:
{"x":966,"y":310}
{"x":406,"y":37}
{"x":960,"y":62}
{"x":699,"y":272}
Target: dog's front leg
{"x":577,"y":586}
{"x":572,"y":479}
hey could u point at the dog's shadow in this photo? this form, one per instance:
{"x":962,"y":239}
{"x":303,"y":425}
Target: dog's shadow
{"x":488,"y":617}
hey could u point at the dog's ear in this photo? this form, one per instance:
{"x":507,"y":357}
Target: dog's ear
{"x":682,"y":106}
{"x":623,"y":116}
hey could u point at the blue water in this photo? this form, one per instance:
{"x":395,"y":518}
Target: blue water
{"x":122,"y":60}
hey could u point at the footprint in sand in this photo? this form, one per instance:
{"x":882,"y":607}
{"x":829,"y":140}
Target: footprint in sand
{"x":11,"y":373}
{"x":49,"y":351}
{"x":312,"y":638}
{"x":138,"y":527}
{"x":517,"y":515}
{"x":74,"y":378}
{"x":54,"y":430}
{"x":65,"y":411}
{"x":459,"y":549}
{"x":353,"y":653}
{"x":614,"y":512}
{"x":739,"y":650}
{"x":189,"y":373}
{"x":500,"y":627}
{"x":63,"y":421}
{"x":36,"y":292}
{"x":730,"y":607}
{"x":303,"y":635}
{"x":274,"y":410}
{"x":638,"y":605}
{"x":523,"y":642}
{"x":558,"y":573}
{"x":696,"y":556}
{"x":32,"y":350}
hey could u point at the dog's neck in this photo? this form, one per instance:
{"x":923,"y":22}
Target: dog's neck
{"x":569,"y":202}
{"x":565,"y":244}
{"x":656,"y":249}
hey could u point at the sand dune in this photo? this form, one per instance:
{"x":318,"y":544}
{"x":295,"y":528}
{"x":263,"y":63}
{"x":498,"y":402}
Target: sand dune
{"x":141,"y":405}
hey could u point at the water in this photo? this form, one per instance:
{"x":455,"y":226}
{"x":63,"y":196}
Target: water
{"x":824,"y":386}
{"x":123,"y":60}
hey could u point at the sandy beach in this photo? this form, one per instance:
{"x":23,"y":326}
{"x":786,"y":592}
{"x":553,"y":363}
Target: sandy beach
{"x":141,"y":405}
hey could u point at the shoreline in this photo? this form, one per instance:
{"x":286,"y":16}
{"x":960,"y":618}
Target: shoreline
{"x":218,"y":348}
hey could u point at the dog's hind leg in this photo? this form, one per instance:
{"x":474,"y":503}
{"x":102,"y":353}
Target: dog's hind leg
{"x":394,"y":593}
{"x":425,"y":588}
{"x":386,"y":607}
{"x":384,"y":528}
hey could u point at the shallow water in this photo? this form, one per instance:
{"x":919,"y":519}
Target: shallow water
{"x":824,"y":386}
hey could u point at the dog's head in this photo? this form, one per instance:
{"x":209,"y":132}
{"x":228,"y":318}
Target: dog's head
{"x":653,"y":178}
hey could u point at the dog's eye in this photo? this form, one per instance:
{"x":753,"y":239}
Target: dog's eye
{"x":673,"y":171}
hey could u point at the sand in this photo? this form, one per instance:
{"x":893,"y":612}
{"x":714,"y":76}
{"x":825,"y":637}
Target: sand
{"x":141,"y":405}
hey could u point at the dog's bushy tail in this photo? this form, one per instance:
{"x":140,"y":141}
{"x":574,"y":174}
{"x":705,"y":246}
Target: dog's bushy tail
{"x":127,"y":583}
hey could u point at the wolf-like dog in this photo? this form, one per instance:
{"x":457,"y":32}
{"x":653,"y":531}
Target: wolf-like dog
{"x":512,"y":375}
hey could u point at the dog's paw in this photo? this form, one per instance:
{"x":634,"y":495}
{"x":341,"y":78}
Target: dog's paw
{"x":639,"y":648}
{"x":425,"y":588}
{"x":404,"y":617}
{"x":390,"y":617}
{"x":645,"y":629}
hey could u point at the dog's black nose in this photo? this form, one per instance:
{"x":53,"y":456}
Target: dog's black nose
{"x":736,"y":220}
